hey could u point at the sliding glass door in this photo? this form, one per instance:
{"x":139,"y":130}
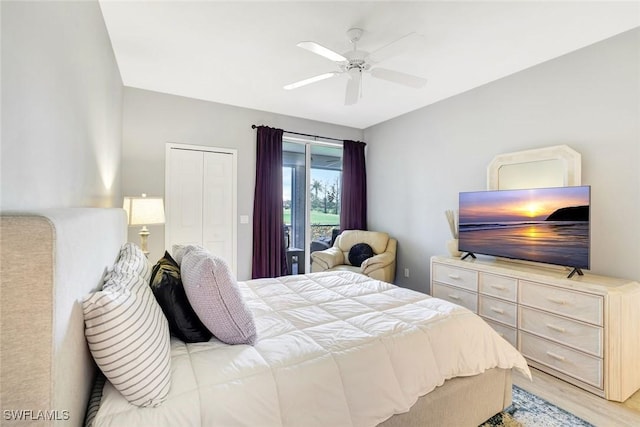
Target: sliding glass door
{"x":294,"y":203}
{"x":311,"y":176}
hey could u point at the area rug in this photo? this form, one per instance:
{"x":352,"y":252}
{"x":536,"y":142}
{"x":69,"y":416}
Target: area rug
{"x":528,"y":410}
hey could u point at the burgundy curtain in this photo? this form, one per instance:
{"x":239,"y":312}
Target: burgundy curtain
{"x":353,"y":208}
{"x":269,"y":256}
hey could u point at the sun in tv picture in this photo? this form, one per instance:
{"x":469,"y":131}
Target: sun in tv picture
{"x":548,"y":225}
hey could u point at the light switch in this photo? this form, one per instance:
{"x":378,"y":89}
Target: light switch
{"x":244,"y":219}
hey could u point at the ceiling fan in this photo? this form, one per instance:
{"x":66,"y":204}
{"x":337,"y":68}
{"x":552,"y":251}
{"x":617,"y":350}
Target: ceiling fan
{"x":356,"y":62}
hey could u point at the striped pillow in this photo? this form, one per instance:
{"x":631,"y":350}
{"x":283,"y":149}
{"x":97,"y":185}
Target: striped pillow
{"x":128,"y":337}
{"x":132,"y":261}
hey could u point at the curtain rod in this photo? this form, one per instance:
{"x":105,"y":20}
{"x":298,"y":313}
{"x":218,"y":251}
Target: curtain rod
{"x":305,"y":134}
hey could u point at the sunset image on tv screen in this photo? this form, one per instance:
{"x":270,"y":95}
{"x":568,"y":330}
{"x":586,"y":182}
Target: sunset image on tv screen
{"x":549,"y":225}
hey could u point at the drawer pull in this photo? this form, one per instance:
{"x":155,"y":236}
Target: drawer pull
{"x":557,"y":301}
{"x":498,"y":287}
{"x":455,"y":297}
{"x":497,"y":310}
{"x":556,"y":328}
{"x":454,"y":276}
{"x":555,"y":356}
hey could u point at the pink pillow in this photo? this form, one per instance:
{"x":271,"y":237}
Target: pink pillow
{"x":213,"y":293}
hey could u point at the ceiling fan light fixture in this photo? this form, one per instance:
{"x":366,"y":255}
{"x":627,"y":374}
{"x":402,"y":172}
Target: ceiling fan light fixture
{"x":309,"y":81}
{"x":354,"y":72}
{"x":355,"y":63}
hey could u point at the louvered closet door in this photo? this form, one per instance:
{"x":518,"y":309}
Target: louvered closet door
{"x":200,"y":200}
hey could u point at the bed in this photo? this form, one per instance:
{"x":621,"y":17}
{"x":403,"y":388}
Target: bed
{"x":332,"y":349}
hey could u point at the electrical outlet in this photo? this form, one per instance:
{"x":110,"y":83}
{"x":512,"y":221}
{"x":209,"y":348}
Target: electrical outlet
{"x":406,"y":272}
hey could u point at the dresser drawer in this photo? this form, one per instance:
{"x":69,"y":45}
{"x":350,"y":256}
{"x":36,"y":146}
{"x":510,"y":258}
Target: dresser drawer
{"x":506,"y":332}
{"x":460,"y":277}
{"x":577,"y":305}
{"x":498,"y":310}
{"x":456,"y":295}
{"x":498,"y":286}
{"x":581,"y":336}
{"x":579,"y":365}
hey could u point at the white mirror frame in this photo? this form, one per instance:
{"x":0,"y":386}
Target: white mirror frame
{"x":568,"y":172}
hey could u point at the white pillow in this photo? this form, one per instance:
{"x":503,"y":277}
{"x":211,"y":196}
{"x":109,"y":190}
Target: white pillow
{"x":128,"y":335}
{"x":177,"y":252}
{"x":213,"y":293}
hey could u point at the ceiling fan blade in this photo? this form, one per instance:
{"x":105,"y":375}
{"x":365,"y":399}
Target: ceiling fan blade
{"x":353,"y":87}
{"x":322,"y":51}
{"x":398,"y":77}
{"x":403,"y":44}
{"x":310,"y":80}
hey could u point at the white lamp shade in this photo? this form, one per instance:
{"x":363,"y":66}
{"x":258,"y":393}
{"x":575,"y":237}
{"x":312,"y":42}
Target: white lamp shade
{"x":144,"y":210}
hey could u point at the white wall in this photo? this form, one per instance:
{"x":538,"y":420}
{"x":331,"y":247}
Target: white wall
{"x":589,"y":100}
{"x":152,"y":119}
{"x":61,"y":107}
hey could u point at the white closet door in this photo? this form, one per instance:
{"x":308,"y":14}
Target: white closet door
{"x":201,"y":199}
{"x":184,"y":202}
{"x":217,"y":226}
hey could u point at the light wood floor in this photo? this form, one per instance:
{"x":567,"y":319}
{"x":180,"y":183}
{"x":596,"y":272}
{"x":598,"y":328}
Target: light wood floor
{"x":589,"y":407}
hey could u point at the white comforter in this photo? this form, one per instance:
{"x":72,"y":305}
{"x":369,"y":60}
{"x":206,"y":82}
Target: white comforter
{"x":333,"y":349}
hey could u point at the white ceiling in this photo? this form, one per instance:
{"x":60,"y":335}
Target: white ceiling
{"x":242,"y":53}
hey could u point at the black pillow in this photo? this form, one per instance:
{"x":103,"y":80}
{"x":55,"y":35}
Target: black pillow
{"x":359,"y":253}
{"x":167,"y":287}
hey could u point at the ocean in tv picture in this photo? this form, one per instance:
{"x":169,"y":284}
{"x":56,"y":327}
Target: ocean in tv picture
{"x":553,"y":242}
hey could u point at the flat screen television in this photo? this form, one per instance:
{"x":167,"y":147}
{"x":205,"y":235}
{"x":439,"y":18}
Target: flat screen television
{"x":547,"y":225}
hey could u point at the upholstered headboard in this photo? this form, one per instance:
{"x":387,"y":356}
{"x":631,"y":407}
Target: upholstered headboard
{"x":49,"y":260}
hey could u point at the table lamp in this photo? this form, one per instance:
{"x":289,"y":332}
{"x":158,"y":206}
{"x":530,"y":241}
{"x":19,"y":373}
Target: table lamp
{"x":144,"y":211}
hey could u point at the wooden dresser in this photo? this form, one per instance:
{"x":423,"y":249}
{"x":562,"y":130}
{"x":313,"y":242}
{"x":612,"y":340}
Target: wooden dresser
{"x":585,"y":330}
